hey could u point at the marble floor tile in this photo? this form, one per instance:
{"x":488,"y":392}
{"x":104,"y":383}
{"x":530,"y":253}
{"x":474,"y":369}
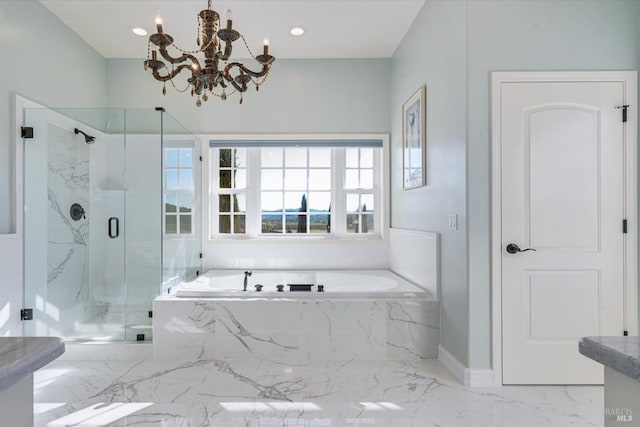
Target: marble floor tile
{"x":252,"y":393}
{"x":79,"y":381}
{"x":250,"y":380}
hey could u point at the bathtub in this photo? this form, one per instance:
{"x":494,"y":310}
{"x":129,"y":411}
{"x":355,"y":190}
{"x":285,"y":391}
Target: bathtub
{"x":334,"y":283}
{"x":361,"y":315}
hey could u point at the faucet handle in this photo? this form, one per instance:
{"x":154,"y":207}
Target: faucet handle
{"x":280,"y":288}
{"x":258,"y":288}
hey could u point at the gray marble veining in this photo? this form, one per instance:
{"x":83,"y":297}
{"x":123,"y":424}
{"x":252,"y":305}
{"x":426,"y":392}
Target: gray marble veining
{"x":21,"y":356}
{"x":621,"y":354}
{"x":295,"y":331}
{"x":258,"y":393}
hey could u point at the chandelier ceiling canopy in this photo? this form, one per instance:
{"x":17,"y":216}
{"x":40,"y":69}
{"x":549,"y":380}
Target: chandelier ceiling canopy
{"x":218,"y":75}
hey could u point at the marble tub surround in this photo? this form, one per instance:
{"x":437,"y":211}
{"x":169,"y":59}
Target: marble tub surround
{"x":414,"y":255}
{"x":622,"y":354}
{"x":253,"y":393}
{"x":295,"y":331}
{"x":21,"y":356}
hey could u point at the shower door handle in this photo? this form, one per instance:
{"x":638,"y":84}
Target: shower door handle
{"x":114,"y":233}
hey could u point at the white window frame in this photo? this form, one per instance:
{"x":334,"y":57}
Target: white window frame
{"x":194,"y":157}
{"x":338,"y":201}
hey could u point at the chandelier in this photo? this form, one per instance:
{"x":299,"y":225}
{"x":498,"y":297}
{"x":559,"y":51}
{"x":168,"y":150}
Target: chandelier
{"x":218,"y":75}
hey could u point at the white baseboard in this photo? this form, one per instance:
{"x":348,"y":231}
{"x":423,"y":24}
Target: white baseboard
{"x":468,"y":377}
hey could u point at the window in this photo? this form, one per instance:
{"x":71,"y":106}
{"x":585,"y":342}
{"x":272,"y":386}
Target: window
{"x":295,"y":194}
{"x":232,"y":187}
{"x":360,"y":189}
{"x":178,"y":190}
{"x":268,"y":188}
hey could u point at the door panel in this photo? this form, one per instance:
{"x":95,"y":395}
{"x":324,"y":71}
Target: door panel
{"x":551,"y":293}
{"x":561,"y":155}
{"x":562,"y":195}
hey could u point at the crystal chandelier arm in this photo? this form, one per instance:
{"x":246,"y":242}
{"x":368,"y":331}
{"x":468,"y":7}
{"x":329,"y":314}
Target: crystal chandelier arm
{"x":240,"y":88}
{"x":171,"y":74}
{"x":182,"y":58}
{"x":257,"y":74}
{"x":227,"y":51}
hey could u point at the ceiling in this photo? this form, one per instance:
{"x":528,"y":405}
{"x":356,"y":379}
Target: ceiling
{"x":335,"y":28}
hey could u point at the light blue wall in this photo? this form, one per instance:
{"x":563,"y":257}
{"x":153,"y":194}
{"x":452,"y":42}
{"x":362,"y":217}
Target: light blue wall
{"x":42,"y":59}
{"x":452,"y":47}
{"x":526,"y":35}
{"x":433,"y":54}
{"x":300,"y":96}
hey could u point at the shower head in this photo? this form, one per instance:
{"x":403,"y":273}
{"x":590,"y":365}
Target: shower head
{"x":87,"y":138}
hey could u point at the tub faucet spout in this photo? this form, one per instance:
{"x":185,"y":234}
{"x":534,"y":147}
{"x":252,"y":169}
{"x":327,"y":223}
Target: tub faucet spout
{"x":247,"y":274}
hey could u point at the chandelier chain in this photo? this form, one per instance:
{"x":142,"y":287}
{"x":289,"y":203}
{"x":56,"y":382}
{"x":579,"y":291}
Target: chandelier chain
{"x":247,"y":46}
{"x":176,"y":88}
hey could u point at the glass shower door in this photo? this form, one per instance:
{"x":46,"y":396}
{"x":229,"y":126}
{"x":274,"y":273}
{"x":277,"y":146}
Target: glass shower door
{"x":181,"y":207}
{"x":73,"y":216}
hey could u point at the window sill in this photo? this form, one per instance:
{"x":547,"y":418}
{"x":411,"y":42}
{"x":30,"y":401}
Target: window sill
{"x":299,"y":239}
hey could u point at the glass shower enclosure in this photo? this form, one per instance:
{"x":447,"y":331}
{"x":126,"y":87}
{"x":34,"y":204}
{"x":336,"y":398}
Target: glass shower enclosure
{"x":111,"y":219}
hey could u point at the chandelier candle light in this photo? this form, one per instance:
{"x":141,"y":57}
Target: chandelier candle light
{"x":215,"y":43}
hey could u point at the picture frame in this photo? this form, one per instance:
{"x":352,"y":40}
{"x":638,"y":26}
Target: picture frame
{"x":414,"y":127}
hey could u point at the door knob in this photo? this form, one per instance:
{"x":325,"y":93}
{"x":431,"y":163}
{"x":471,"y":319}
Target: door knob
{"x":512,"y":248}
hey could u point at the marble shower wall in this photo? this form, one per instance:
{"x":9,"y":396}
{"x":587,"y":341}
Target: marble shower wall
{"x":68,"y":241}
{"x":295,"y":331}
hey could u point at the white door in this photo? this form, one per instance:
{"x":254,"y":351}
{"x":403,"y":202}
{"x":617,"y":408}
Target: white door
{"x":563,"y":195}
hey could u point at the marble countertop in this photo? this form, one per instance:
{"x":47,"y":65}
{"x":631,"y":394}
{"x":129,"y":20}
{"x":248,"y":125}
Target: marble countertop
{"x":622,"y":354}
{"x":21,"y":356}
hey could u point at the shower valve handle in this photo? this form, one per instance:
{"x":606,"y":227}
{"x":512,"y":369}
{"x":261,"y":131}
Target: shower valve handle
{"x":76,"y":212}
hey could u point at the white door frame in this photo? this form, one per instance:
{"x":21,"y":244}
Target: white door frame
{"x":629,"y":80}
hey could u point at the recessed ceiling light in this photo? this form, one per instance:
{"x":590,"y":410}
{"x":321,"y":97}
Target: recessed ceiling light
{"x":297,"y":31}
{"x":138,"y":31}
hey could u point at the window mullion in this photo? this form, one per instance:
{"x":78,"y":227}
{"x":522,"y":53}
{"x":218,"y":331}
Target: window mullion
{"x":377,"y":191}
{"x":338,"y":202}
{"x":306,"y":195}
{"x":214,"y":202}
{"x":253,"y":213}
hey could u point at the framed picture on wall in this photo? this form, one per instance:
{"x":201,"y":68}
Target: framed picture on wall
{"x":414,"y":140}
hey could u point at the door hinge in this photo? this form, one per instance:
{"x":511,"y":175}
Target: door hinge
{"x":200,"y":158}
{"x":200,"y":255}
{"x":624,"y":226}
{"x":26,"y":314}
{"x":624,"y":112}
{"x":26,"y":132}
{"x":625,"y":333}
